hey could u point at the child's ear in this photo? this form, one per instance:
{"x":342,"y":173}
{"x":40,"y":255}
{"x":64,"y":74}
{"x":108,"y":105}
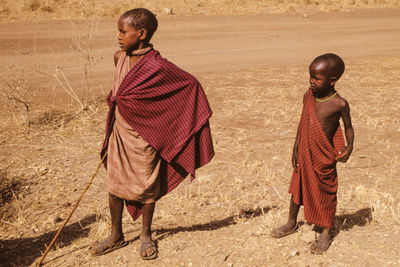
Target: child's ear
{"x":333,"y":81}
{"x":143,"y":34}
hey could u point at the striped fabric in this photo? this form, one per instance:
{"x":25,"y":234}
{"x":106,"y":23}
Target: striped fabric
{"x":315,"y":183}
{"x":168,"y":108}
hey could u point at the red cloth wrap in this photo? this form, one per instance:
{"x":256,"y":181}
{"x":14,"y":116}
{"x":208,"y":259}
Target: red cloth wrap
{"x":169,"y":109}
{"x":315,"y":183}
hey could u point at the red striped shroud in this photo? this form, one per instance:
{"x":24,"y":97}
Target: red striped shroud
{"x":315,"y":183}
{"x":169,"y":109}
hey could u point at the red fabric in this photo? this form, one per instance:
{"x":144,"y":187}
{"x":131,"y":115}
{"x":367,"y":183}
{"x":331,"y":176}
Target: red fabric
{"x":168,"y":108}
{"x":315,"y":183}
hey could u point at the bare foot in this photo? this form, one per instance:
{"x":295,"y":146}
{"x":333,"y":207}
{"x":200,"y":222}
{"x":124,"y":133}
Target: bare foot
{"x":321,"y":244}
{"x":284,"y":230}
{"x":148,"y":248}
{"x":107,"y":245}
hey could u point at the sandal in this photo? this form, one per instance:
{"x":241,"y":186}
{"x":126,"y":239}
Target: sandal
{"x":145,"y":246}
{"x":276,"y":233}
{"x":106,"y":245}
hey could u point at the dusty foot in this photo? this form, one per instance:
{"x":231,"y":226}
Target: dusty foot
{"x":321,"y":244}
{"x":148,"y":248}
{"x":284,"y":230}
{"x":107,"y":245}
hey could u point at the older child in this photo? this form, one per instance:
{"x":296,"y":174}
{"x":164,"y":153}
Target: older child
{"x":318,"y":146}
{"x":157,"y":130}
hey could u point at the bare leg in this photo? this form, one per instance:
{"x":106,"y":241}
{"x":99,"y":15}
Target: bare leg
{"x":326,"y":233}
{"x":290,"y":226}
{"x":293,"y":212}
{"x":148,"y":247}
{"x":148,"y":211}
{"x":116,"y":209}
{"x":116,"y":238}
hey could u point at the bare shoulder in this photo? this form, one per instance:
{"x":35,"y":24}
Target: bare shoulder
{"x":117,"y":56}
{"x":341,"y":103}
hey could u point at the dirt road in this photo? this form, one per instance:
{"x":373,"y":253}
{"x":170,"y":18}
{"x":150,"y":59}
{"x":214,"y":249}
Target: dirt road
{"x":216,"y":43}
{"x":254,"y":71}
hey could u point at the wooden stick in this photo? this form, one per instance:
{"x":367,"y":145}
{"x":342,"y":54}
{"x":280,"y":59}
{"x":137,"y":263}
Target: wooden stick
{"x":70,"y":214}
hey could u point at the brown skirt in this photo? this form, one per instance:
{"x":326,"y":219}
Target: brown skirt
{"x":132,"y":164}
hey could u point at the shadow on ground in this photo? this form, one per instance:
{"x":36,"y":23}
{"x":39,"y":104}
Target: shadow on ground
{"x":24,"y":251}
{"x":210,"y":226}
{"x":347,"y":221}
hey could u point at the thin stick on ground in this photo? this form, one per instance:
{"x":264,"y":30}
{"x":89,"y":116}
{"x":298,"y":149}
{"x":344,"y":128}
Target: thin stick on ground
{"x":72,"y":211}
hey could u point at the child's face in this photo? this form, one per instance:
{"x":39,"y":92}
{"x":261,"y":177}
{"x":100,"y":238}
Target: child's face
{"x":129,"y":38}
{"x":320,"y":81}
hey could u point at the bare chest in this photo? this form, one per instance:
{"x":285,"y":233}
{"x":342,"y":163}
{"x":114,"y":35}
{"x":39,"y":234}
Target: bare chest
{"x":328,"y":116}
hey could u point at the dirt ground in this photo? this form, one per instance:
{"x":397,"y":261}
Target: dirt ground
{"x":254,"y":69}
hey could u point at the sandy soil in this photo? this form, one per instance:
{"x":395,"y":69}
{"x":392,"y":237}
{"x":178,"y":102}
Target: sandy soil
{"x":254,"y":71}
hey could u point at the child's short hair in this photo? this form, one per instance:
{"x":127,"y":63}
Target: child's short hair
{"x":334,"y":64}
{"x":142,"y":18}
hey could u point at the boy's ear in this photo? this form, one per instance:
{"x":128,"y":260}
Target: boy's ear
{"x":333,"y":81}
{"x":143,"y":34}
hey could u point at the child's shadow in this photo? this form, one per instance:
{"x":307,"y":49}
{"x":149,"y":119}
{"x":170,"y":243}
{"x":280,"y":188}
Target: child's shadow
{"x":213,"y":225}
{"x":347,"y":221}
{"x":24,"y":251}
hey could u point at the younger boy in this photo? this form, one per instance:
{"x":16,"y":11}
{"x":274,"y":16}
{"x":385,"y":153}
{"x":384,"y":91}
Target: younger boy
{"x":318,"y":146}
{"x":157,"y":130}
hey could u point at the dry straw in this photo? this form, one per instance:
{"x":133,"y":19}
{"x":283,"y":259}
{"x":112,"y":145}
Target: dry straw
{"x":77,"y":9}
{"x":83,"y":34}
{"x":72,"y":212}
{"x":15,"y":88}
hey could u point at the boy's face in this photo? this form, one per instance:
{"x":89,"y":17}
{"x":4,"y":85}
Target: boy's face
{"x":129,"y":38}
{"x":320,"y":80}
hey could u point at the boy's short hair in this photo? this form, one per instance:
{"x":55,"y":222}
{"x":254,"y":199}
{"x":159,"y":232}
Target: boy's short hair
{"x":142,"y":18}
{"x":334,"y":64}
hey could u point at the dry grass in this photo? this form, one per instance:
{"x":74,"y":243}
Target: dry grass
{"x":16,"y":92}
{"x":72,"y":9}
{"x":223,"y":218}
{"x":228,"y":211}
{"x":83,"y":33}
{"x":29,"y":92}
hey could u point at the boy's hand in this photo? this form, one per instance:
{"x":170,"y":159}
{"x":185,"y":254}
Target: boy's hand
{"x":344,"y":154}
{"x":294,"y":160}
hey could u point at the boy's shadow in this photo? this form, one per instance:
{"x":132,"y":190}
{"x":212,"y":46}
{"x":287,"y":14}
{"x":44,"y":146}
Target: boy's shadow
{"x":24,"y":251}
{"x":347,"y":221}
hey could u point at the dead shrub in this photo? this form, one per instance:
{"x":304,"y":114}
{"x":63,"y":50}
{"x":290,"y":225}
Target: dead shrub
{"x":15,"y":87}
{"x":54,"y":119}
{"x":48,"y":9}
{"x":33,"y":5}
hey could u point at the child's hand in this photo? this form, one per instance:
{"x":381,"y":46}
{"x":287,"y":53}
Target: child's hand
{"x":344,"y":154}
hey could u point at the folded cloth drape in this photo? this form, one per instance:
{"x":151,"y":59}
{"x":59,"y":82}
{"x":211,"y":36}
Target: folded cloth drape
{"x":167,"y":106}
{"x":315,"y":183}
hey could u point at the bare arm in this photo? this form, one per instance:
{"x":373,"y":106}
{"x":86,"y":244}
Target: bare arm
{"x":117,"y":55}
{"x":349,"y":133}
{"x":295,"y":151}
{"x":296,"y":144}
